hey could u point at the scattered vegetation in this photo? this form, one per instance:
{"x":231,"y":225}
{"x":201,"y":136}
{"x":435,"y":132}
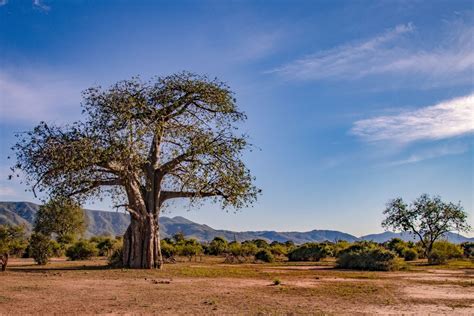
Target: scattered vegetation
{"x":82,"y":250}
{"x":367,"y":256}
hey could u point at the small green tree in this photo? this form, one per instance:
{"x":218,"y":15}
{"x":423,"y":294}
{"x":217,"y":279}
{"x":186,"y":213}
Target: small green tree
{"x":12,"y":242}
{"x":61,"y":217}
{"x":41,"y":248}
{"x":218,"y":246}
{"x":427,"y":217}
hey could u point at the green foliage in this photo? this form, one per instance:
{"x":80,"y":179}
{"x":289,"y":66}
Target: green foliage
{"x":276,"y":281}
{"x":179,"y":237}
{"x":367,"y":256}
{"x":261,"y":243}
{"x":104,"y":244}
{"x":82,"y":250}
{"x":309,"y":252}
{"x":427,"y":217}
{"x":168,"y":250}
{"x":40,"y":248}
{"x":217,"y":246}
{"x":340,"y":246}
{"x":190,"y":248}
{"x":115,"y":259}
{"x":409,"y":254}
{"x":279,"y":249}
{"x":264,"y":255}
{"x":468,"y":249}
{"x":249,"y":249}
{"x":12,"y":240}
{"x":61,"y":217}
{"x":443,"y":251}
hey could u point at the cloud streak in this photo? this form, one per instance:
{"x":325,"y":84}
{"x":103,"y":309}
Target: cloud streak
{"x":432,"y":154}
{"x":447,"y":119}
{"x":391,"y":53}
{"x":37,"y":96}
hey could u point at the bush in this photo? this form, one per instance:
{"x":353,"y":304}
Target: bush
{"x":309,"y":252}
{"x":115,"y":259}
{"x":409,"y":254}
{"x":168,"y":250}
{"x":217,"y":246}
{"x":264,"y":255}
{"x":468,"y":249}
{"x":81,"y":250}
{"x":444,"y":250}
{"x":106,"y":245}
{"x":249,"y":249}
{"x":437,"y":257}
{"x":40,"y":248}
{"x":367,"y":256}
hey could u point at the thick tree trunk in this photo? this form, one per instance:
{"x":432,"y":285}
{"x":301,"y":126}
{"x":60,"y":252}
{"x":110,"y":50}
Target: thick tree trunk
{"x":4,"y":261}
{"x":141,"y":244}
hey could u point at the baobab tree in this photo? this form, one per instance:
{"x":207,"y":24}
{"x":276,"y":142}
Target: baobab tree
{"x":144,"y":143}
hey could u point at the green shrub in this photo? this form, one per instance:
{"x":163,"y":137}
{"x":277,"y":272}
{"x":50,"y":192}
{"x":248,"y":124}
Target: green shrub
{"x":397,"y":245}
{"x":81,"y":250}
{"x":264,"y":255}
{"x":168,"y":250}
{"x":309,"y":252}
{"x":217,"y":246}
{"x":40,"y":248}
{"x":115,"y":259}
{"x":249,"y":249}
{"x":367,"y":256}
{"x":409,"y":254}
{"x":444,"y":250}
{"x":106,"y":245}
{"x":468,"y":249}
{"x":279,"y":249}
{"x":437,"y":257}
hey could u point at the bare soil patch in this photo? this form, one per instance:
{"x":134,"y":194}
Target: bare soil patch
{"x":210,"y":287}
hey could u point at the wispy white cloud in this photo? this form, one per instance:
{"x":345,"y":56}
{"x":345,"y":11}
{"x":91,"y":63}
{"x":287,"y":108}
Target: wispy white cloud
{"x":35,"y":96}
{"x":392,"y":52}
{"x":3,"y":2}
{"x":447,"y":119}
{"x":39,"y":4}
{"x":432,"y":153}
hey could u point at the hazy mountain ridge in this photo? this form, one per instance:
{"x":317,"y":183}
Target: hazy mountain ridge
{"x":115,"y":223}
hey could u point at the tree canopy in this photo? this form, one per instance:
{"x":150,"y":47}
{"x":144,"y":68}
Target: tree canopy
{"x":427,"y":217}
{"x":144,"y":143}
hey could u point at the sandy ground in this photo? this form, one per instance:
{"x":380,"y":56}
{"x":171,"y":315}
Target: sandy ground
{"x":64,"y":287}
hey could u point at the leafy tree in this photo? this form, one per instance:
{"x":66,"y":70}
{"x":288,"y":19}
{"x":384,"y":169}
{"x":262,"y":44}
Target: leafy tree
{"x":179,"y":237}
{"x":427,"y":217}
{"x":191,"y":248}
{"x":218,"y":246}
{"x":62,"y":217}
{"x":41,"y":248}
{"x":12,"y":242}
{"x":145,"y":143}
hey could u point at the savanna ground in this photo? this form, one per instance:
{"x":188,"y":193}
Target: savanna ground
{"x":211,"y":287}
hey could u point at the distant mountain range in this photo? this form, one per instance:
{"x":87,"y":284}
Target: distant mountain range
{"x":115,"y":223}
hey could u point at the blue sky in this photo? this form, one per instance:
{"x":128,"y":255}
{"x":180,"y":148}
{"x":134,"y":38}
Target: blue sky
{"x":351,"y":103}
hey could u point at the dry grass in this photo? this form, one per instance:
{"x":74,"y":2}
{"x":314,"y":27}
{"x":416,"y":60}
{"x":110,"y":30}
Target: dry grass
{"x":211,"y":287}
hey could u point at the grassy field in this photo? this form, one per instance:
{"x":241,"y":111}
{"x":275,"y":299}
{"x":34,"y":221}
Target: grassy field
{"x":211,"y":287}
